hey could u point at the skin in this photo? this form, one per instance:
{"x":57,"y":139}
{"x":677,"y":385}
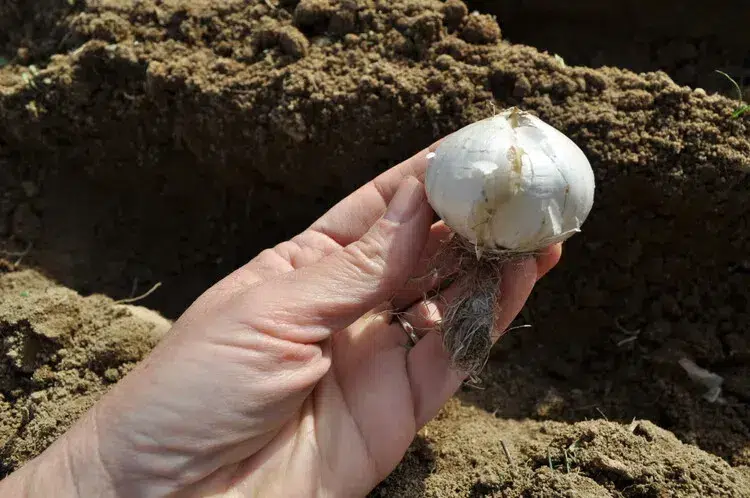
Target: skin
{"x":289,"y":376}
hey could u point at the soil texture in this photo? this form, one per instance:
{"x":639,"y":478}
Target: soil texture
{"x":171,"y":141}
{"x":688,"y":41}
{"x":59,"y":353}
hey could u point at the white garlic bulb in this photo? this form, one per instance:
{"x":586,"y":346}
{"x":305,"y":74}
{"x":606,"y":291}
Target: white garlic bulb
{"x":510,"y":182}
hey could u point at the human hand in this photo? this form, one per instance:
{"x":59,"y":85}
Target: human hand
{"x":288,"y":377}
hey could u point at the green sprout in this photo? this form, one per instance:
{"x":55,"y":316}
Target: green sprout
{"x":743,"y":107}
{"x":569,"y":456}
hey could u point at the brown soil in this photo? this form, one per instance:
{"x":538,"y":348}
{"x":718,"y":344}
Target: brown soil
{"x":469,"y":453}
{"x":687,"y":40}
{"x":170,"y":141}
{"x":59,"y":353}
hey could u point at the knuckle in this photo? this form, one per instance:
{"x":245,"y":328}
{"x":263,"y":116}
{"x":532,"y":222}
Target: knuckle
{"x":368,"y":255}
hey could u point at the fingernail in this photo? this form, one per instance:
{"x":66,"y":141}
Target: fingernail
{"x":406,"y":201}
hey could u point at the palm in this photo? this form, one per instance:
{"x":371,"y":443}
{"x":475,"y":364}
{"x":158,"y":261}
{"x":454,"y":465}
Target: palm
{"x":363,"y":414}
{"x":294,"y":408}
{"x":359,"y":419}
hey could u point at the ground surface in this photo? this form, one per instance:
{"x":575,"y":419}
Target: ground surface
{"x":688,"y":42}
{"x":171,"y":141}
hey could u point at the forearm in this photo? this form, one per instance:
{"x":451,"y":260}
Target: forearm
{"x":69,"y":468}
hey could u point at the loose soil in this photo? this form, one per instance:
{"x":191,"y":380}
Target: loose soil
{"x":170,"y":141}
{"x":687,"y":42}
{"x":59,"y":353}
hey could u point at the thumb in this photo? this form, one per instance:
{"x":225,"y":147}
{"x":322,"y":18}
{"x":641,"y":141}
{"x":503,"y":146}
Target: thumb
{"x":309,"y":304}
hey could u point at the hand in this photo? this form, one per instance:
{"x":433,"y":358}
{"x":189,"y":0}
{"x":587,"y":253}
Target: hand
{"x":288,"y":377}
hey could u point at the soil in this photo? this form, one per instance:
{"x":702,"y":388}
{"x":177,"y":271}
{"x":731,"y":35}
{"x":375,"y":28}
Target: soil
{"x":688,"y":42}
{"x":59,"y":353}
{"x":170,"y":141}
{"x":468,"y":452}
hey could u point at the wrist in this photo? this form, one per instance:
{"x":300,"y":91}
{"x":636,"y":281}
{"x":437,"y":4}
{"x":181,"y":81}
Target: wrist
{"x":68,"y":468}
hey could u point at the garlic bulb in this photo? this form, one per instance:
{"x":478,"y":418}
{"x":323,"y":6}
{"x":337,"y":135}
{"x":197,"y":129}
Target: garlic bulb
{"x":510,"y":182}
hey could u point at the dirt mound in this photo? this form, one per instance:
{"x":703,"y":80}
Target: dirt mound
{"x":468,"y":452}
{"x":688,"y":42}
{"x":59,"y":353}
{"x":171,"y":141}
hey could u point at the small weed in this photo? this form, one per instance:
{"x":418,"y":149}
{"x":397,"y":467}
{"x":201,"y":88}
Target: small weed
{"x":569,"y":457}
{"x":743,"y":107}
{"x":3,"y":61}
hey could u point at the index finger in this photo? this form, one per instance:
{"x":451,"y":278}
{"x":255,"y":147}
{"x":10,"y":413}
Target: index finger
{"x":348,"y":220}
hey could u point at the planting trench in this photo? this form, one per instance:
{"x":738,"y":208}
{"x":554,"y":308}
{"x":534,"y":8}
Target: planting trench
{"x":172,"y":141}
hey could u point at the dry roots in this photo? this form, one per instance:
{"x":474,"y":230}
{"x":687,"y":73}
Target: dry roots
{"x":468,"y":322}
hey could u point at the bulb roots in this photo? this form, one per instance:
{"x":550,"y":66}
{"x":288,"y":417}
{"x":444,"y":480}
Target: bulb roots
{"x":468,"y":322}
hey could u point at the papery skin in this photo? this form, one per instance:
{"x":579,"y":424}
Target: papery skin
{"x":510,"y":182}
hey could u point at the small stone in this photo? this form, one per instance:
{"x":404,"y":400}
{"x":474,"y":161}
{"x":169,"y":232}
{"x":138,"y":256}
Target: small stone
{"x":293,"y":42}
{"x":426,"y":28}
{"x":343,"y":22}
{"x":309,"y":13}
{"x":351,"y":39}
{"x":481,"y":29}
{"x":111,"y":375}
{"x":444,"y":61}
{"x":454,"y":12}
{"x":613,"y":466}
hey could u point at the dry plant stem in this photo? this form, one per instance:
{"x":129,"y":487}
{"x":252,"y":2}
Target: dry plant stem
{"x":141,"y":297}
{"x":468,"y":324}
